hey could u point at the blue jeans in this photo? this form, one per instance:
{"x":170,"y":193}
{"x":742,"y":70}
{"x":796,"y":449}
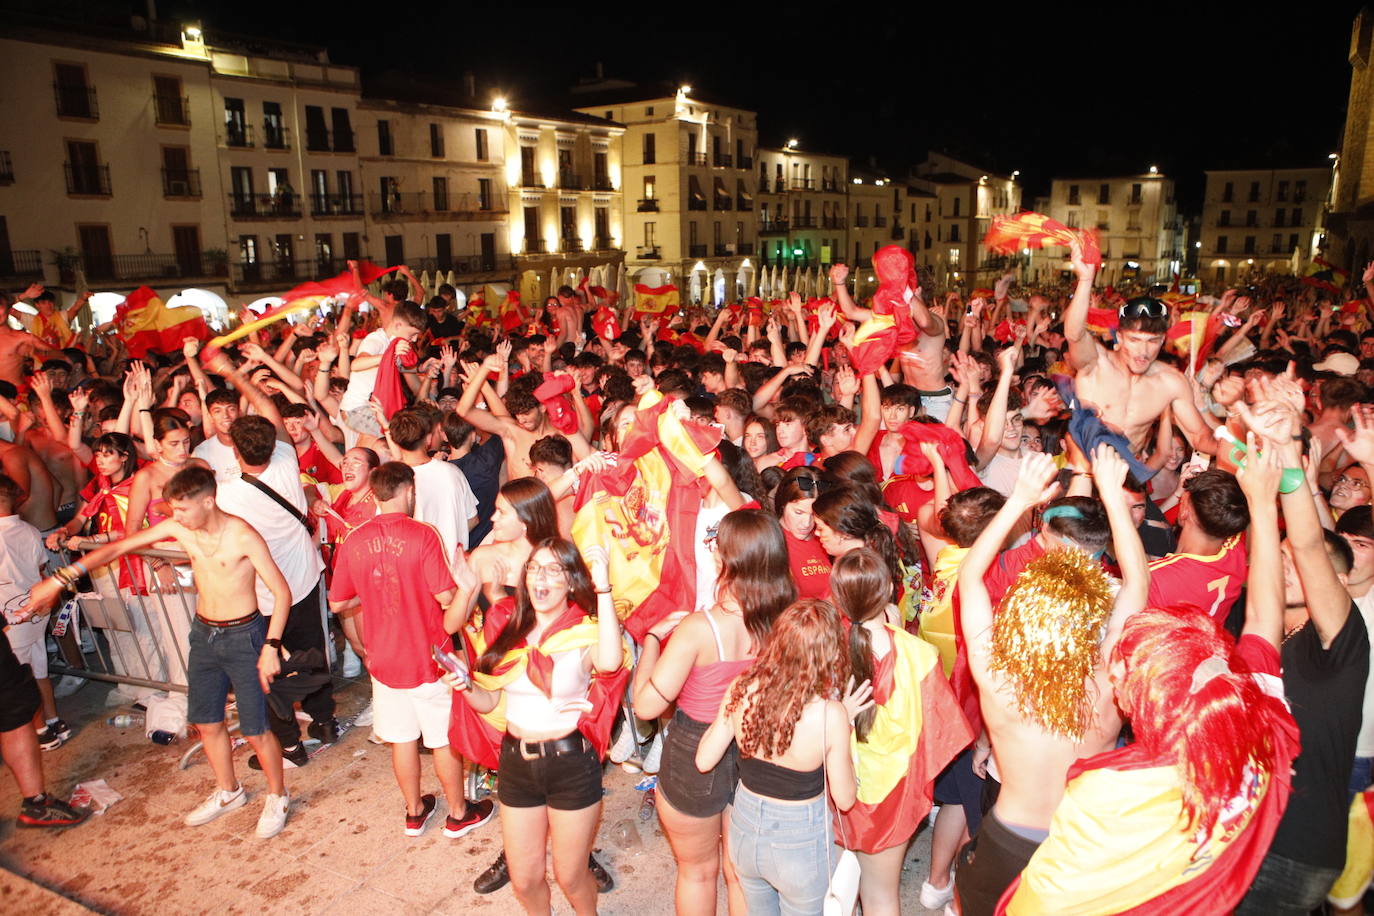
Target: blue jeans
{"x":221,"y":656}
{"x":1283,"y":887}
{"x":779,"y":850}
{"x":1361,"y":776}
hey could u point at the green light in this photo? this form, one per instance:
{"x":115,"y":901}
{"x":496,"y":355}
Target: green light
{"x":797,"y":252}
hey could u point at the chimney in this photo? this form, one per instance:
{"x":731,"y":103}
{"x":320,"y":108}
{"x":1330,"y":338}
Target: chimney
{"x":470,"y":83}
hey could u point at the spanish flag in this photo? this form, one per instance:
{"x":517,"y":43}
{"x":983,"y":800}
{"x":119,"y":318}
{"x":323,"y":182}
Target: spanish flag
{"x":1120,"y":842}
{"x":146,"y":325}
{"x":644,"y":512}
{"x":1359,"y":854}
{"x":874,"y":343}
{"x":655,"y":300}
{"x":478,"y":736}
{"x":1326,"y":276}
{"x":512,"y":313}
{"x":917,"y":731}
{"x":1195,"y":332}
{"x":1103,"y":321}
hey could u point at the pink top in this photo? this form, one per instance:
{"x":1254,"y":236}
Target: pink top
{"x":705,"y":686}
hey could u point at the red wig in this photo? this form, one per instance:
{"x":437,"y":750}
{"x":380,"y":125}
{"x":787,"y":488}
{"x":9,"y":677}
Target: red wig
{"x":1192,"y":701}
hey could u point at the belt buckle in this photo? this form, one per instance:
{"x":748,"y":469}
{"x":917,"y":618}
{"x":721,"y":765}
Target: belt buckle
{"x":525,"y":754}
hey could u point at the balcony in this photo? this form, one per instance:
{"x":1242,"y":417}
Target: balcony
{"x":76,"y":101}
{"x":88,"y":180}
{"x":744,"y":248}
{"x":696,"y":203}
{"x":284,"y":272}
{"x":648,"y":253}
{"x":860,"y":221}
{"x":237,"y":136}
{"x":264,"y":206}
{"x":325,"y":205}
{"x":570,"y":181}
{"x":744,"y":203}
{"x":18,"y":264}
{"x":722,"y":251}
{"x":343,"y":141}
{"x":132,"y":267}
{"x":171,"y":110}
{"x":422,"y":205}
{"x":530,"y":180}
{"x":473,"y":264}
{"x":603,"y":243}
{"x":724,"y":161}
{"x":724,"y":203}
{"x":6,"y":168}
{"x":803,"y":222}
{"x":181,"y":183}
{"x":880,"y":221}
{"x":316,"y":140}
{"x":830,"y":186}
{"x":696,"y":251}
{"x":745,"y":162}
{"x":833,"y":222}
{"x":696,"y":158}
{"x":773,"y":227}
{"x":536,"y":246}
{"x":803,"y":184}
{"x":602,"y":183}
{"x":648,"y":205}
{"x":897,"y":231}
{"x":274,"y":136}
{"x":570,"y":244}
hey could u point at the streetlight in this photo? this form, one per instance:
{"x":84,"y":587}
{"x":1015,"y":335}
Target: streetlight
{"x":498,"y":103}
{"x":1154,"y":170}
{"x":792,"y":143}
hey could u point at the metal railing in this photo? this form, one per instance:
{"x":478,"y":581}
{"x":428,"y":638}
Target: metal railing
{"x":336,"y":205}
{"x":570,"y":181}
{"x":472,"y":264}
{"x":696,"y":251}
{"x":744,"y":248}
{"x":264,"y":206}
{"x":649,"y":253}
{"x":181,"y":182}
{"x":723,"y":202}
{"x":237,"y":136}
{"x":172,"y":109}
{"x":724,"y":161}
{"x":24,"y":263}
{"x":570,"y":244}
{"x":648,"y":205}
{"x":317,"y":140}
{"x":803,"y":184}
{"x":276,"y":137}
{"x":769,"y":226}
{"x":76,"y":101}
{"x":745,"y":162}
{"x":696,"y":158}
{"x":142,"y":266}
{"x":744,"y":203}
{"x":536,"y":246}
{"x":696,"y":203}
{"x":803,"y":222}
{"x":603,"y":243}
{"x":93,"y":180}
{"x":602,"y":183}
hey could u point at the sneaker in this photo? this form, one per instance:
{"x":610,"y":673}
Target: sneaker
{"x":291,"y":758}
{"x":416,"y":823}
{"x":655,"y":755}
{"x":375,"y":738}
{"x":626,"y":744}
{"x":934,"y":898}
{"x":54,"y":735}
{"x":352,"y":665}
{"x":326,"y":732}
{"x":364,"y":718}
{"x":494,"y":878}
{"x":219,"y":802}
{"x":273,"y":817}
{"x":474,"y":815}
{"x":66,"y":685}
{"x":604,"y":882}
{"x":48,"y":811}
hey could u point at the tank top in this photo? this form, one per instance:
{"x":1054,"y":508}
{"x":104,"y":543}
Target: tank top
{"x":705,"y":686}
{"x":782,"y":783}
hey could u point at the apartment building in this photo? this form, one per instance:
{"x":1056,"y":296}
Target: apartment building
{"x":1137,"y":223}
{"x":966,"y":198}
{"x":803,"y":218}
{"x":1261,"y":221}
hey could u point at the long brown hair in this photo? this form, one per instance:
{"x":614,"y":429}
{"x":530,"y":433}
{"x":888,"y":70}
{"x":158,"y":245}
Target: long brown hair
{"x":755,"y":570}
{"x":849,"y":512}
{"x":862,"y":588}
{"x":534,"y":506}
{"x":521,"y":622}
{"x":804,"y":658}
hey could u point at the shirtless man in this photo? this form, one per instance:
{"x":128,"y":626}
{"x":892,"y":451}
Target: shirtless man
{"x":1033,"y":759}
{"x":16,"y":346}
{"x":66,"y":467}
{"x":1126,"y":385}
{"x":231,"y":642}
{"x":525,"y":424}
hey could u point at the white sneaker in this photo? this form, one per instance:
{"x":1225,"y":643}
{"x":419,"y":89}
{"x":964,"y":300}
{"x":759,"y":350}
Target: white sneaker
{"x":67,"y":684}
{"x":273,"y":817}
{"x":352,"y":665}
{"x":933,"y":898}
{"x":364,"y":718}
{"x":626,"y":744}
{"x":651,"y":759}
{"x":219,"y":802}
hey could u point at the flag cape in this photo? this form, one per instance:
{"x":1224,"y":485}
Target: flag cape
{"x":1103,"y":321}
{"x":937,"y":622}
{"x":655,"y":300}
{"x":1359,"y":854}
{"x":53,"y":330}
{"x":512,"y":314}
{"x":916,"y":732}
{"x":110,"y":509}
{"x":644,"y":510}
{"x":390,"y":393}
{"x":1325,"y":276}
{"x":605,"y":323}
{"x":1009,"y":234}
{"x":478,"y":736}
{"x":147,"y":325}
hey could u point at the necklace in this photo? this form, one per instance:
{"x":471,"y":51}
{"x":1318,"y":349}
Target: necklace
{"x":218,"y":540}
{"x":165,"y":463}
{"x":1289,"y":634}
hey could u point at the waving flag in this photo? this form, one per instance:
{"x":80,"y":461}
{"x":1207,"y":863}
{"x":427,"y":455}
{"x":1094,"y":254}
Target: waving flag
{"x":1326,"y":276}
{"x":1009,"y":234}
{"x":644,"y":511}
{"x":147,"y":325}
{"x":655,"y":300}
{"x":1195,"y":332}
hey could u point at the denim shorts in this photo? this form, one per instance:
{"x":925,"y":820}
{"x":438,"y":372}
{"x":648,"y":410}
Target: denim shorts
{"x":686,"y":788}
{"x":564,"y":782}
{"x":221,"y":657}
{"x":782,"y":852}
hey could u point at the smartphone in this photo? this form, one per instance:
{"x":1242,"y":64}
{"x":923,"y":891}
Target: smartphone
{"x":450,"y":663}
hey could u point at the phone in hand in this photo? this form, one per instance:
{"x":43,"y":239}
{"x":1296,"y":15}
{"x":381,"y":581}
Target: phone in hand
{"x":451,"y":663}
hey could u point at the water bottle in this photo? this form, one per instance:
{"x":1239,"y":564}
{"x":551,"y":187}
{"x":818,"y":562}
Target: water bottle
{"x":123,"y":720}
{"x":163,"y":737}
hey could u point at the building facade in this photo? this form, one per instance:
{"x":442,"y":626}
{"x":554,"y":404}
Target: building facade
{"x":1260,"y":221}
{"x":1351,"y":217}
{"x":966,"y":197}
{"x":803,"y":222}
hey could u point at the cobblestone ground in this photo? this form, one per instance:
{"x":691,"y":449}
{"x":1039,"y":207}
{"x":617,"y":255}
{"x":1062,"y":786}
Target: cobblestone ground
{"x":343,"y":850}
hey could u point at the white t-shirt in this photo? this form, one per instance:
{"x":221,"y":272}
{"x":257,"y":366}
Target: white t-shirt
{"x":444,"y":499}
{"x":220,"y":457}
{"x":361,"y":383}
{"x":1364,"y":743}
{"x":292,"y":548}
{"x":22,"y":556}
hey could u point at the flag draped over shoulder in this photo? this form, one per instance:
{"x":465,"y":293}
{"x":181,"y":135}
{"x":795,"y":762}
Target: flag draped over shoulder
{"x":917,"y":731}
{"x":655,"y":300}
{"x":147,"y":325}
{"x":1009,"y":234}
{"x":644,"y":510}
{"x":1119,"y":841}
{"x":477,"y":736}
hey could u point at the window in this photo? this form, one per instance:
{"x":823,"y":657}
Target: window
{"x":650,"y":235}
{"x":650,"y":187}
{"x":316,"y":133}
{"x":443,"y":251}
{"x":395,"y":249}
{"x":1102,"y":220}
{"x":1297,"y":217}
{"x":436,"y":141}
{"x":691,"y":148}
{"x":85,"y":173}
{"x":1277,"y":246}
{"x":1228,"y":192}
{"x":484,"y":194}
{"x":1222,"y":244}
{"x":241,"y":197}
{"x":273,"y":127}
{"x":1224,"y":218}
{"x":186,"y":250}
{"x":248,"y":249}
{"x":1292,"y":241}
{"x":610,"y":115}
{"x":567,"y":222}
{"x":1282,"y":193}
{"x":235,"y":123}
{"x":958,"y":203}
{"x":352,"y":246}
{"x":178,"y":178}
{"x":531,"y":226}
{"x":1073,"y":195}
{"x":1251,"y":218}
{"x":440,"y":193}
{"x":169,"y":104}
{"x":480,"y":134}
{"x":390,"y":194}
{"x":602,"y":225}
{"x":1136,"y":188}
{"x":324,"y":252}
{"x":954,"y":233}
{"x":319,"y":191}
{"x":601,"y":172}
{"x":1300,"y":191}
{"x":1278,"y":217}
{"x":75,"y":97}
{"x":650,"y":155}
{"x":384,"y":146}
{"x":343,"y":130}
{"x":1072,"y":219}
{"x":527,"y":173}
{"x":692,"y":232}
{"x":1104,"y":194}
{"x":344,"y":182}
{"x":1249,"y":244}
{"x":648,"y":111}
{"x":1254,"y":191}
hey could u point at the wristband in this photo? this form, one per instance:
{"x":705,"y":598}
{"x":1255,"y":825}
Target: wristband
{"x":1292,"y":479}
{"x":272,"y":643}
{"x":602,"y":591}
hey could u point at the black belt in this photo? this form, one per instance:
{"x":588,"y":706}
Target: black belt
{"x":555,"y":747}
{"x":225,"y":624}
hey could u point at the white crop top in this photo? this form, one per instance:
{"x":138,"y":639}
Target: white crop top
{"x":533,"y":713}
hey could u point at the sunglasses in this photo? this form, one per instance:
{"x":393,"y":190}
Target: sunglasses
{"x":1144,"y":307}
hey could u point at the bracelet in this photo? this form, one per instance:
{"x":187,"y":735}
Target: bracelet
{"x":655,"y":636}
{"x":959,"y":400}
{"x":144,"y":410}
{"x":602,"y":591}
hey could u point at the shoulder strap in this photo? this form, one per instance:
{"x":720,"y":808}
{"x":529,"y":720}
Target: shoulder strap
{"x":715,"y":634}
{"x":278,"y":499}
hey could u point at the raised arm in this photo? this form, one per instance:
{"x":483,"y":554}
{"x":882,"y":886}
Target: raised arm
{"x":1259,"y":480}
{"x":1082,"y":346}
{"x":996,"y":423}
{"x":262,"y":405}
{"x":467,"y":405}
{"x":839,"y":273}
{"x":870,"y":410}
{"x":1109,"y":471}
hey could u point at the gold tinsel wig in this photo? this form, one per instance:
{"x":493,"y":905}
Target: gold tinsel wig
{"x":1046,"y":635}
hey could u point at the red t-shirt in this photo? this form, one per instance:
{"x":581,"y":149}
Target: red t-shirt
{"x":1009,"y":564}
{"x":810,"y":566}
{"x":1210,"y":584}
{"x":313,"y":462}
{"x":906,"y":496}
{"x":397,"y":566}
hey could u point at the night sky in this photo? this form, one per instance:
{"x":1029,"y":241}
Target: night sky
{"x":1048,"y":90}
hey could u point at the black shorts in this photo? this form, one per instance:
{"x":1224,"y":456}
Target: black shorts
{"x":569,"y":781}
{"x":988,"y":864}
{"x":18,"y":691}
{"x":957,"y":784}
{"x":686,"y":788}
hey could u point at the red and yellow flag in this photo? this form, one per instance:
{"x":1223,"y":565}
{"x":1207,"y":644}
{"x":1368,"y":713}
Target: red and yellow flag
{"x":655,"y":300}
{"x":1359,"y":854}
{"x":1009,"y":234}
{"x":147,"y":325}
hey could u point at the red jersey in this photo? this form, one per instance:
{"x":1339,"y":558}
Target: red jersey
{"x":397,"y":566}
{"x":810,"y":566}
{"x":906,"y":496}
{"x":1210,"y":584}
{"x":313,"y":463}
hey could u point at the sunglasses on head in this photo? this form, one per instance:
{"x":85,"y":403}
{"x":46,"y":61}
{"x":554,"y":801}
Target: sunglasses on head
{"x":1144,"y":307}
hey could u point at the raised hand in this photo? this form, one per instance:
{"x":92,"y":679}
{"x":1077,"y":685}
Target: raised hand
{"x":846,"y":383}
{"x":1035,"y":483}
{"x":1278,"y":422}
{"x":1259,"y":478}
{"x":839,"y":273}
{"x":1081,"y":268}
{"x":1109,"y":471}
{"x":1360,"y":443}
{"x":190,"y":347}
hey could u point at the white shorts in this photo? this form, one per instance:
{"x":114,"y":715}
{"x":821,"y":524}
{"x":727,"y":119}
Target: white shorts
{"x":416,"y":712}
{"x":30,"y":647}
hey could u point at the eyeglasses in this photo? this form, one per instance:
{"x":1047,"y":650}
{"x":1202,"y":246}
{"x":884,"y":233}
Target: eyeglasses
{"x":1144,"y":307}
{"x":551,"y":571}
{"x":1355,"y":482}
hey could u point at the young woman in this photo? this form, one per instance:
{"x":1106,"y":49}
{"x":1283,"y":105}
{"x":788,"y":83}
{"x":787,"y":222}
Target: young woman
{"x":525,"y":514}
{"x":785,"y":716}
{"x":760,"y":438}
{"x":809,"y":562}
{"x":172,"y":452}
{"x":353,"y":502}
{"x":550,"y":785}
{"x":706,"y":651}
{"x":900,"y":759}
{"x":847,"y":519}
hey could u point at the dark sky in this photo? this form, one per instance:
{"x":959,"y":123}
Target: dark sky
{"x":1049,"y":90}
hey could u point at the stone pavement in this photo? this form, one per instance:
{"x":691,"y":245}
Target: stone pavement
{"x":343,"y":850}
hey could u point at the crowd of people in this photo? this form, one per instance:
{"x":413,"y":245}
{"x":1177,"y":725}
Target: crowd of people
{"x":1088,"y":570}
